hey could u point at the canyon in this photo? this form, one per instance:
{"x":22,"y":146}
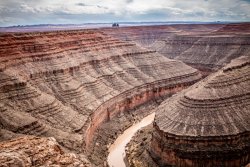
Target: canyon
{"x":72,"y":92}
{"x":204,"y":125}
{"x":204,"y":47}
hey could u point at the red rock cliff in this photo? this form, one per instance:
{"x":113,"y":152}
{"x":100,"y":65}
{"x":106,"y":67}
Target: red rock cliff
{"x":65,"y":84}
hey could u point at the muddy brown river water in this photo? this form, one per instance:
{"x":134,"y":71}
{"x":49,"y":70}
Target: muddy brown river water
{"x":117,"y":149}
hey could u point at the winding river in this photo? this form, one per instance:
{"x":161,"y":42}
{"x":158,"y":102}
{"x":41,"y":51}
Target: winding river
{"x":117,"y":149}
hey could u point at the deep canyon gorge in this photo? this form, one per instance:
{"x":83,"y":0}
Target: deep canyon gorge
{"x":65,"y":96}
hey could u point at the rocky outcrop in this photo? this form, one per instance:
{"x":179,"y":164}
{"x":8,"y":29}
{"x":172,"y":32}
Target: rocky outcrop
{"x":35,"y":151}
{"x":207,"y":124}
{"x":66,"y":84}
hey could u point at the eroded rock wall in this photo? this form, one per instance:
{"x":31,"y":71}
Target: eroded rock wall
{"x":207,"y":52}
{"x":65,"y":84}
{"x":204,"y":47}
{"x":207,"y":124}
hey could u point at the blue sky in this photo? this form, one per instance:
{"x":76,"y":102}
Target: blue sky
{"x":27,"y":12}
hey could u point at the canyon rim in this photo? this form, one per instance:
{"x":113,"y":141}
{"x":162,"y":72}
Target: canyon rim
{"x":70,"y":87}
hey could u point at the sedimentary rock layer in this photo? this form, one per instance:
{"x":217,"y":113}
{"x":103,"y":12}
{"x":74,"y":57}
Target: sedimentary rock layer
{"x":207,"y":124}
{"x":65,"y":84}
{"x":205,"y":47}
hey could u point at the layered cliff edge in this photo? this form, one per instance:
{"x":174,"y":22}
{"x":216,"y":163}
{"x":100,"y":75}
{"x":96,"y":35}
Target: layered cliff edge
{"x":207,"y":124}
{"x":204,"y":125}
{"x":66,"y":84}
{"x":204,"y":47}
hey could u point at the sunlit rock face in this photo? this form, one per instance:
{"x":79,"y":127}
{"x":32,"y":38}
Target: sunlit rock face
{"x":208,"y":123}
{"x":65,"y":84}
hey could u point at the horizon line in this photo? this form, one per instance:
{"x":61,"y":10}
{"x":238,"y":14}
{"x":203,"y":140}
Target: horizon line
{"x":122,"y":22}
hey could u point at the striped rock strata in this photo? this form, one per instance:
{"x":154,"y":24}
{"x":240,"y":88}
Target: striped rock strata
{"x":65,"y":84}
{"x":207,"y":124}
{"x":204,"y":47}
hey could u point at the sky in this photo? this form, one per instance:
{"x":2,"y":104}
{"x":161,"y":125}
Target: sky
{"x":30,"y":12}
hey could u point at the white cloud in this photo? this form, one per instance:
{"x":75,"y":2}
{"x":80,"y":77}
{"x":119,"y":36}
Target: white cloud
{"x":126,"y":10}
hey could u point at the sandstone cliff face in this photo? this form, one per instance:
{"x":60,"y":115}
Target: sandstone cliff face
{"x":204,"y":47}
{"x":65,"y":84}
{"x":207,"y":124}
{"x":35,"y":151}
